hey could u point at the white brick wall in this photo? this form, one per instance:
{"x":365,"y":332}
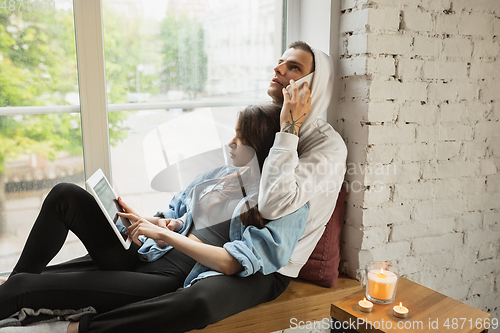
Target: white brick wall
{"x":421,"y":83}
{"x":415,"y":20}
{"x":426,"y":46}
{"x":458,"y":47}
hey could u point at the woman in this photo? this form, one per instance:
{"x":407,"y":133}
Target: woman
{"x":121,"y":277}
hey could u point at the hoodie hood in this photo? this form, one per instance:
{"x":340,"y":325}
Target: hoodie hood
{"x":322,"y":87}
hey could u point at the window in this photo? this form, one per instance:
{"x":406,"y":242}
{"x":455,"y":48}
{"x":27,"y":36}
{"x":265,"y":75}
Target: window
{"x":40,"y":128}
{"x":163,"y":59}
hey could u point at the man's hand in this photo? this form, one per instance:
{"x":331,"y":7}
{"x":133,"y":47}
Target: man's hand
{"x":295,"y":108}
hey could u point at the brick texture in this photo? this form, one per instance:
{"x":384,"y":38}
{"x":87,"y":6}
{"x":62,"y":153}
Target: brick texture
{"x":420,"y":109}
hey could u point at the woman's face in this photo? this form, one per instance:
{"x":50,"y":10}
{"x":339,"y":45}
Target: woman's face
{"x":240,"y":153}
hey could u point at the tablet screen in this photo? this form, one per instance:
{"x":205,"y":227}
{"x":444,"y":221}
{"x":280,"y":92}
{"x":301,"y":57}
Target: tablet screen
{"x":112,"y":206}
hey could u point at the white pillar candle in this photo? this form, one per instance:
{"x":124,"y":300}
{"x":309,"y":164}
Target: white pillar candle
{"x":381,"y":284}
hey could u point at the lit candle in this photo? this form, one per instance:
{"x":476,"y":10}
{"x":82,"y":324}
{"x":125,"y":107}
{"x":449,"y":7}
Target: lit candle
{"x":400,"y":311}
{"x":365,"y":306}
{"x":381,"y":284}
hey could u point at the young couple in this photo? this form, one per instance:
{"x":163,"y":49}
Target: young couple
{"x":205,"y":274}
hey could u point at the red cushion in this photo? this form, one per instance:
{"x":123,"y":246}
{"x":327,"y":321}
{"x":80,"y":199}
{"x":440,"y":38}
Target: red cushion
{"x":322,"y":267}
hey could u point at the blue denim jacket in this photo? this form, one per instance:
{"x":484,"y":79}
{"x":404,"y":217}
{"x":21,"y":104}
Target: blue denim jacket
{"x":263,"y":250}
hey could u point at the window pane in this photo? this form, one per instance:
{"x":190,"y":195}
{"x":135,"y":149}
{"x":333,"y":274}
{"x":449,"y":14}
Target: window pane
{"x":37,"y":54}
{"x":40,"y":147}
{"x":175,"y":51}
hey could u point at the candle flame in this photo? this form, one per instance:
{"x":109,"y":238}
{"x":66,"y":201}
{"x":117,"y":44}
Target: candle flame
{"x":400,"y":304}
{"x":381,"y":274}
{"x":364,"y":299}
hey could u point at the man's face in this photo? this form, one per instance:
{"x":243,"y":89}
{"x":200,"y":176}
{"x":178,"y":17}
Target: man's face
{"x":293,"y":64}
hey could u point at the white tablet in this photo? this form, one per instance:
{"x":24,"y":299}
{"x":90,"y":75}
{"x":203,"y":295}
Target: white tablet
{"x":103,"y":193}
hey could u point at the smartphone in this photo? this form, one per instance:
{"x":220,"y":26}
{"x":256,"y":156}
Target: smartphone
{"x":308,"y":78}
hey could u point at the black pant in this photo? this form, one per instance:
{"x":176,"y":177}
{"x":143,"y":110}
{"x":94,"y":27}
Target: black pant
{"x":112,"y":278}
{"x":207,"y":301}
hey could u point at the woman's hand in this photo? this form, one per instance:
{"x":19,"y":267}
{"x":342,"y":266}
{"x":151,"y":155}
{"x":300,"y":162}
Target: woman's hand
{"x":214,"y":257}
{"x":126,"y":208}
{"x":141,"y":226}
{"x":295,"y":108}
{"x":172,"y":224}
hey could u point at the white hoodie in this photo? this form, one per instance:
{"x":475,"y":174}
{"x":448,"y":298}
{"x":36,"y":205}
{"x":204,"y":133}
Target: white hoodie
{"x":308,"y":168}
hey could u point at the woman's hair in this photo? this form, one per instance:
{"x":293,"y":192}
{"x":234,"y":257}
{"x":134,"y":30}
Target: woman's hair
{"x":257,"y":126}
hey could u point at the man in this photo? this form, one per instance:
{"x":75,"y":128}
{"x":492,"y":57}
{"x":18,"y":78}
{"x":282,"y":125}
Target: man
{"x":305,"y":165}
{"x":307,"y":161}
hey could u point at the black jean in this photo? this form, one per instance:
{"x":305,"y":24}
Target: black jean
{"x":113,"y":277}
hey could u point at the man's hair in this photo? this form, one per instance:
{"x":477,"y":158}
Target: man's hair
{"x":300,"y":45}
